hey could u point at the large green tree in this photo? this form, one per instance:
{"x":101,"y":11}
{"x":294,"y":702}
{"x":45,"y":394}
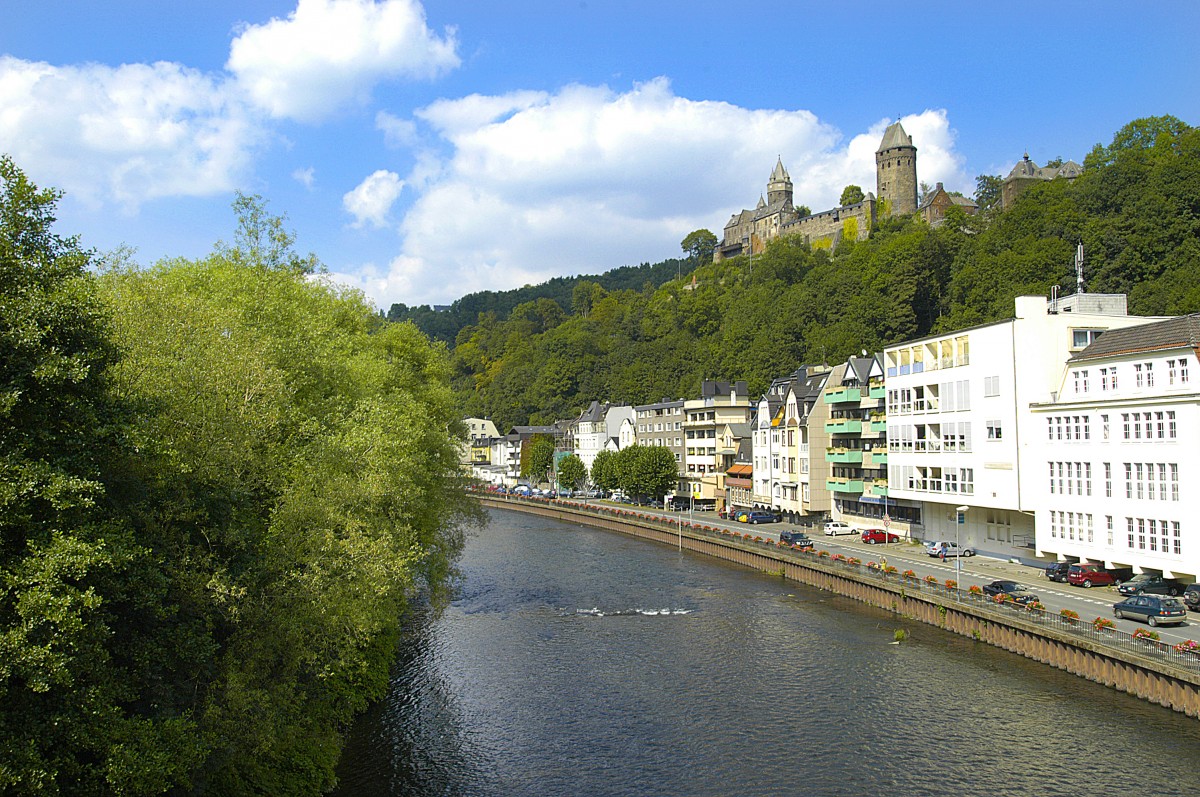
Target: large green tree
{"x":851,"y":195}
{"x":572,"y":473}
{"x":699,"y":245}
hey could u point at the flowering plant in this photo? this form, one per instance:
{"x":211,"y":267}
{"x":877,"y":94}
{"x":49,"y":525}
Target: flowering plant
{"x":1145,"y":633}
{"x":1004,"y":597}
{"x":975,"y":589}
{"x":823,"y":553}
{"x":889,"y":569}
{"x":872,"y":565}
{"x":854,"y":561}
{"x":1103,"y":624}
{"x":910,"y":574}
{"x":1069,"y":615}
{"x":837,"y":557}
{"x":951,"y":584}
{"x":930,"y":579}
{"x":1035,"y":606}
{"x":1187,"y":647}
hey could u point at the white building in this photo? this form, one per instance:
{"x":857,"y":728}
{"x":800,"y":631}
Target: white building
{"x":1116,"y":450}
{"x":959,"y":423}
{"x":591,"y":433}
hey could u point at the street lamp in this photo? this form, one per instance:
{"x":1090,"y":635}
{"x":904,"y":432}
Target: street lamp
{"x":960,"y":520}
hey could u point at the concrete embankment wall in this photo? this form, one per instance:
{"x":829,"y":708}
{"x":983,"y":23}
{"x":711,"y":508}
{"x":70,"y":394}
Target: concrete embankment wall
{"x":1167,"y":683}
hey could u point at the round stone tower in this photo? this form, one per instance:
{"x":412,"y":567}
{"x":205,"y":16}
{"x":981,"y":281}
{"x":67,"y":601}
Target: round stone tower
{"x":779,"y":186}
{"x":896,"y":171}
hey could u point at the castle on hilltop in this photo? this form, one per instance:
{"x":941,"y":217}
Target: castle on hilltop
{"x":749,"y":231}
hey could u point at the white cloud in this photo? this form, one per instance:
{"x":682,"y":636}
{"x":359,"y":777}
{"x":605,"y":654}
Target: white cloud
{"x":306,"y":177}
{"x":539,"y":185}
{"x":125,"y":134}
{"x":373,"y":198}
{"x":330,"y":52}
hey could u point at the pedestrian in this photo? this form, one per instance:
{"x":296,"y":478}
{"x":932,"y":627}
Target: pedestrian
{"x":943,"y":554}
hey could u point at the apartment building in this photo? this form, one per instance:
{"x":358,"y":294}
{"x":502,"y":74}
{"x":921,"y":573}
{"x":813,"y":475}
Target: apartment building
{"x":1115,"y":448}
{"x":710,"y":424}
{"x":959,"y":422}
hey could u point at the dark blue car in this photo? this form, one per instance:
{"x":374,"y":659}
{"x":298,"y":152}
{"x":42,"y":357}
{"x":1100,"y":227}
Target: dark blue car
{"x":756,"y":516}
{"x":1152,"y":609}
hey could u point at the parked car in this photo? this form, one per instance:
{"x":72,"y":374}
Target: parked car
{"x":739,"y":515}
{"x":1145,"y":583}
{"x":836,"y":527}
{"x":1090,"y":575}
{"x":1058,"y":571}
{"x":948,"y":549}
{"x":876,"y":536}
{"x":1191,"y":597}
{"x":1152,"y":609}
{"x":756,"y":516}
{"x":1019,"y":592}
{"x":791,"y":537}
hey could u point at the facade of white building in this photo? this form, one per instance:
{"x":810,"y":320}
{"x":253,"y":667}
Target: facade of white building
{"x":959,"y":423}
{"x":591,"y":433}
{"x":1116,"y":450}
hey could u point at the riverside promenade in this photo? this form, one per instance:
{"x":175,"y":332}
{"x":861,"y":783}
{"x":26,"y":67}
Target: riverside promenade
{"x":1141,"y":666}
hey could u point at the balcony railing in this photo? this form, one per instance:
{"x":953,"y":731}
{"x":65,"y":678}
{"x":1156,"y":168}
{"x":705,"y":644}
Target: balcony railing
{"x":844,"y":456}
{"x":842,"y":393}
{"x":840,"y":484}
{"x":843,"y":426}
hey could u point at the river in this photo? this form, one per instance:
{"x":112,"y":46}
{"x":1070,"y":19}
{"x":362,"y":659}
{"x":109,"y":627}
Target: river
{"x":580,"y":662}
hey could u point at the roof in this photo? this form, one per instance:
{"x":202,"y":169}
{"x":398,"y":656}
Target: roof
{"x":779,"y":173}
{"x":740,"y":470}
{"x":895,"y":136}
{"x":1174,"y":333}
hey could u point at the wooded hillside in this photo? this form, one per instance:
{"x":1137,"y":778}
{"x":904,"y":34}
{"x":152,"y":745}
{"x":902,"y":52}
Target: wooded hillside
{"x":1136,"y":209}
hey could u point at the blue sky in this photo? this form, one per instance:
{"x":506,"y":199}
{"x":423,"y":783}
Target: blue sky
{"x":426,"y":150}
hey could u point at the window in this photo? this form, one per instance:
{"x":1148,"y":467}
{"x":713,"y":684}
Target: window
{"x":1174,"y":482}
{"x":1129,"y":531}
{"x":1108,"y":480}
{"x":1081,"y":381}
{"x":1183,"y":377}
{"x":1138,"y":379}
{"x":1177,"y":549}
{"x":1081,"y":338}
{"x":991,"y":386}
{"x":1109,"y":525}
{"x":1104,"y":425}
{"x":994,"y":431}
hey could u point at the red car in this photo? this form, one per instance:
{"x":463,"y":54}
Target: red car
{"x":876,"y":536}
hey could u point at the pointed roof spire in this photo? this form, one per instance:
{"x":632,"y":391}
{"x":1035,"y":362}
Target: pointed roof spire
{"x":779,"y":173}
{"x":762,"y":203}
{"x":895,"y":136}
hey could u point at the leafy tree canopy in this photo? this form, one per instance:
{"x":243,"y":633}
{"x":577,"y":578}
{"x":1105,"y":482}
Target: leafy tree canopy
{"x":851,"y":194}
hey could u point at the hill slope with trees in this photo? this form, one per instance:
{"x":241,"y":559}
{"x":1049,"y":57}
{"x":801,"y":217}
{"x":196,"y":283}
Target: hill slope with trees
{"x":1135,"y":209}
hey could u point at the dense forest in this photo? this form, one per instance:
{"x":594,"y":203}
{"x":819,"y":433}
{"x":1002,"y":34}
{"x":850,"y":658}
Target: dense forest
{"x":445,"y":324}
{"x":221,"y":482}
{"x":1135,"y":209}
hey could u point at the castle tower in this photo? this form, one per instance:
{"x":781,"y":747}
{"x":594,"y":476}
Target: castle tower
{"x":779,"y":187}
{"x":896,"y":171}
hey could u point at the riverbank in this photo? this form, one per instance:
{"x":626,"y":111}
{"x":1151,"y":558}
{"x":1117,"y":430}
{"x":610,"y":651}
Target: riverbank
{"x":1142,"y":667}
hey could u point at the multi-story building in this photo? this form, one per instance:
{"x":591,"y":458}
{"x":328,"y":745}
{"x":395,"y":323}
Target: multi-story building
{"x":721,"y":406}
{"x":480,"y":434}
{"x":661,"y":424}
{"x":598,"y":429}
{"x":858,"y":447}
{"x":766,"y":446}
{"x":1115,"y":448}
{"x":958,"y":418}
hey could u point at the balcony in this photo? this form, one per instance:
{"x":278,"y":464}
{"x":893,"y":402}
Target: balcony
{"x":878,"y":392}
{"x":843,"y":426}
{"x":844,"y":456}
{"x":876,"y":458}
{"x":879,"y":487}
{"x":879,"y":425}
{"x":840,"y":393}
{"x":842,"y":484}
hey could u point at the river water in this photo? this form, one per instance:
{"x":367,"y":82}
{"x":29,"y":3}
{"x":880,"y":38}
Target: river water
{"x":581,"y":662}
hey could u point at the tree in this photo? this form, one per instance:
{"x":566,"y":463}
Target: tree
{"x":699,"y":245}
{"x":604,"y":476}
{"x":571,"y":472}
{"x":803,"y":210}
{"x":851,"y":195}
{"x":987,"y":191}
{"x":537,"y":457}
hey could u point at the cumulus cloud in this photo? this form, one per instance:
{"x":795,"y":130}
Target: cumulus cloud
{"x":539,"y":184}
{"x":126,"y":134}
{"x":330,"y":52}
{"x":373,"y":198}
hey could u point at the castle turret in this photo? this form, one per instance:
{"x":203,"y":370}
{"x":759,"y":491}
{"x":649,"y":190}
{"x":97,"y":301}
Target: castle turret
{"x":779,"y":187}
{"x":896,"y":171}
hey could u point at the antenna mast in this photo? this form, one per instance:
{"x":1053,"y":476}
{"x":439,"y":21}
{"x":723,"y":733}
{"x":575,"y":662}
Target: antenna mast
{"x":1079,"y":268}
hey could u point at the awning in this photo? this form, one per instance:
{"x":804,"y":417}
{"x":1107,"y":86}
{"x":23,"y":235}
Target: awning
{"x":740,"y":470}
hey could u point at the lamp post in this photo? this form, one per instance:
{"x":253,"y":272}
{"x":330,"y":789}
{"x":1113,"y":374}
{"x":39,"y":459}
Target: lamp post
{"x":960,"y":520}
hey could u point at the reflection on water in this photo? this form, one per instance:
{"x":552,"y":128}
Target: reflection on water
{"x":580,"y":662}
